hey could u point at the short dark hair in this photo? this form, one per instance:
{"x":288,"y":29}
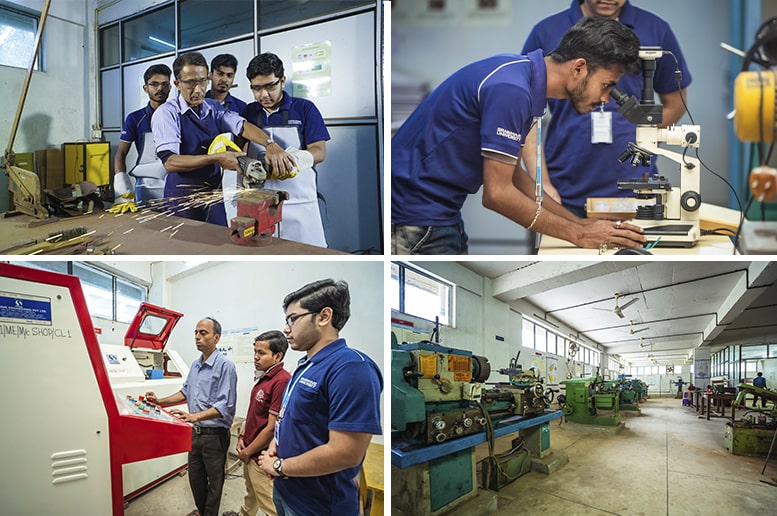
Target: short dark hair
{"x":227,"y":60}
{"x":602,"y":42}
{"x":318,"y":295}
{"x":216,"y":325}
{"x":277,"y":340}
{"x":189,"y":58}
{"x":265,"y":64}
{"x":157,"y":69}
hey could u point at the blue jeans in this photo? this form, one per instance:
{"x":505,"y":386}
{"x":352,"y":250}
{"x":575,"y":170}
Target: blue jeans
{"x":428,"y":239}
{"x":280,"y":506}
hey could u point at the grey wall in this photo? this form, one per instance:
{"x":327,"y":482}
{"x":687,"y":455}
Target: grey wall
{"x":57,"y":105}
{"x":429,"y":50}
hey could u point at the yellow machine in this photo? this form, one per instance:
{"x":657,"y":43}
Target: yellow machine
{"x":88,"y":161}
{"x":754,"y":122}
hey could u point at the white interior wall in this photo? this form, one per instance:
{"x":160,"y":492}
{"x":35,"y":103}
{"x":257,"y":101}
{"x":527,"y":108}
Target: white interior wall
{"x":56,"y":109}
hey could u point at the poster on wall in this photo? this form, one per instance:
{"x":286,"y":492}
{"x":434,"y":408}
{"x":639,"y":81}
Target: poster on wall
{"x":238,"y":345}
{"x":538,"y":363}
{"x":312,"y":68}
{"x":702,"y":368}
{"x":552,"y":378}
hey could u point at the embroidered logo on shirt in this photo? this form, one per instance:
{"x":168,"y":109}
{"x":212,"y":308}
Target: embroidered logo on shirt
{"x":308,"y":383}
{"x":500,"y":131}
{"x":260,"y":395}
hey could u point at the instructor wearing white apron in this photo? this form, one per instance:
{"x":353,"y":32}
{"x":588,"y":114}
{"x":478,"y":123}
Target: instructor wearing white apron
{"x":296,"y":125}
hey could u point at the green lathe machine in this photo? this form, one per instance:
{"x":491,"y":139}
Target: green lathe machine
{"x":592,"y":401}
{"x":753,"y":433}
{"x":441,"y":410}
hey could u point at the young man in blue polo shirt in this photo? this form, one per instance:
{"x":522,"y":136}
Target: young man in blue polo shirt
{"x":329,"y":412}
{"x":469,"y":132}
{"x":587,"y":165}
{"x":184,"y":128}
{"x":297,"y":125}
{"x":150,"y":179}
{"x":222,"y":75}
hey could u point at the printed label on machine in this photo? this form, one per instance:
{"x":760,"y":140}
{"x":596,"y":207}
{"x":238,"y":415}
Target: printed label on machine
{"x":22,"y":308}
{"x":461,"y":367}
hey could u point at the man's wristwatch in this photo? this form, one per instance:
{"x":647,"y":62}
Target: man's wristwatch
{"x":269,"y":142}
{"x":278,"y":467}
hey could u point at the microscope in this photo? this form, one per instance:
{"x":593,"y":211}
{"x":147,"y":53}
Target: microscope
{"x":669,"y":213}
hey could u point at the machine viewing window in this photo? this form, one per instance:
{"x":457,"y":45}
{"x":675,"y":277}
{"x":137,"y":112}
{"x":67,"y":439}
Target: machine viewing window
{"x":418,"y":293}
{"x":17,"y":33}
{"x":153,"y":325}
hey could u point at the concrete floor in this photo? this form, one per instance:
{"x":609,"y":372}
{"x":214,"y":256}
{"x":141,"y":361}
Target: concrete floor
{"x":174,"y":497}
{"x":666,"y":462}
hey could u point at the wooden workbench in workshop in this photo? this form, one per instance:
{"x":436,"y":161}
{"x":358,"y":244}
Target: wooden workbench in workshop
{"x":146,"y":238}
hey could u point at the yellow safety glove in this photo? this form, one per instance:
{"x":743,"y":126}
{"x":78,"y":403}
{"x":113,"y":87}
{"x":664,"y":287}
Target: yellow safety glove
{"x":222,"y":143}
{"x":123,"y":204}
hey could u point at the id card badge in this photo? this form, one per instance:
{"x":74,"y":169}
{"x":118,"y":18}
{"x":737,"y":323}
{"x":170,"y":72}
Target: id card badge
{"x":601,"y":126}
{"x":276,"y":431}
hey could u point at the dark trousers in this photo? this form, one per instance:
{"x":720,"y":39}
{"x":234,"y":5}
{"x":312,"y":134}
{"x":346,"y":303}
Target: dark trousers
{"x":207,"y":462}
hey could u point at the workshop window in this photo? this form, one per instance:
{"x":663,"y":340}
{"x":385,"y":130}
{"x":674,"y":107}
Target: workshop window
{"x":17,"y":37}
{"x":203,"y":21}
{"x":416,"y":292}
{"x":109,"y":46}
{"x":109,"y":296}
{"x":149,"y":34}
{"x":98,"y":290}
{"x":273,"y":13}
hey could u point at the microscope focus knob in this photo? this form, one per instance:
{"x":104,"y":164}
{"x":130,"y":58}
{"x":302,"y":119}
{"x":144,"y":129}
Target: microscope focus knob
{"x":690,"y":201}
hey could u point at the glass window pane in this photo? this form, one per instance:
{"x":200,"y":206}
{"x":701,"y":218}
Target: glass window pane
{"x":527,"y":334}
{"x":540,"y":338}
{"x":273,"y":13}
{"x":17,"y":37}
{"x":426,"y":297}
{"x":149,"y":34}
{"x":203,"y":21}
{"x":110,"y":86}
{"x":109,"y":45}
{"x":772,"y":350}
{"x":98,"y":290}
{"x":394,"y":286}
{"x":754,"y":351}
{"x":128,"y":299}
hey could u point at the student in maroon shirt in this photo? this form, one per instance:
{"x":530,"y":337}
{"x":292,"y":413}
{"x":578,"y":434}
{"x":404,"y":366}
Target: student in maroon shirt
{"x":266,"y":396}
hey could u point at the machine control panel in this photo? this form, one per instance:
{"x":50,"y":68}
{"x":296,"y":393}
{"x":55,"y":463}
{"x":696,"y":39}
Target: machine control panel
{"x":139,"y":406}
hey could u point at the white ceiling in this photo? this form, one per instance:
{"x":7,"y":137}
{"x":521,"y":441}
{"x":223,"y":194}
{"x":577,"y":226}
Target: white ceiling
{"x":679,"y":305}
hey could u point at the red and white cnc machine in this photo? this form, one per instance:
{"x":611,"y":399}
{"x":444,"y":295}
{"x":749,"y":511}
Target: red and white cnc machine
{"x":72,"y":430}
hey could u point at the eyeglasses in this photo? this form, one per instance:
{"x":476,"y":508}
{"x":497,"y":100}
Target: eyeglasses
{"x":292,"y":318}
{"x":266,"y":87}
{"x":193,"y":83}
{"x":155,"y":84}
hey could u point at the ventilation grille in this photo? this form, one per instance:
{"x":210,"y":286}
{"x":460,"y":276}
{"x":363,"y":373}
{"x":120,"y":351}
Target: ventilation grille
{"x":67,"y":466}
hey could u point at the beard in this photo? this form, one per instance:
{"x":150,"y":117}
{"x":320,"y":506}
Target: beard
{"x":577,"y":98}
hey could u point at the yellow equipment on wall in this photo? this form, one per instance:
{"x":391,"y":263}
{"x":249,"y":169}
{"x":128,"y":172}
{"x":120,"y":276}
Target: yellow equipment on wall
{"x":88,"y":161}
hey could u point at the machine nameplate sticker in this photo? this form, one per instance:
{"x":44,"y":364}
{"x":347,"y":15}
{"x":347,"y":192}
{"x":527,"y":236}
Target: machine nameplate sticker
{"x":23,"y":308}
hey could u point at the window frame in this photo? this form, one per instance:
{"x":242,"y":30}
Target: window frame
{"x":401,"y":284}
{"x":18,"y":10}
